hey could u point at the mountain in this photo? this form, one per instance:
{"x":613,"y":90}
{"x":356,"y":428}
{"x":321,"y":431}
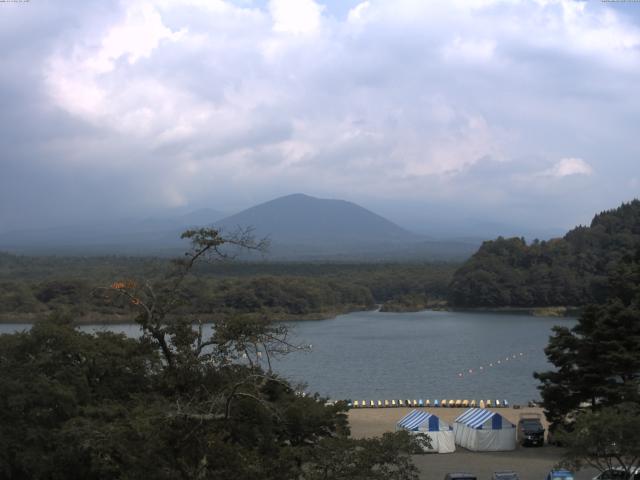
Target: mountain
{"x":305,"y":220}
{"x":300,"y":228}
{"x":568,"y":271}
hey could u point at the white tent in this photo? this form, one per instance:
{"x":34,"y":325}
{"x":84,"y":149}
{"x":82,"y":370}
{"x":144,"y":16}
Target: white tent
{"x":440,"y":433}
{"x":482,"y":430}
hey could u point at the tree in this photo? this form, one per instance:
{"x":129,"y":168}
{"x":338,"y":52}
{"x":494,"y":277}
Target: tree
{"x":385,"y":458}
{"x":606,"y":439}
{"x":65,"y":394}
{"x":593,"y":397}
{"x":177,"y":403}
{"x":598,"y":360}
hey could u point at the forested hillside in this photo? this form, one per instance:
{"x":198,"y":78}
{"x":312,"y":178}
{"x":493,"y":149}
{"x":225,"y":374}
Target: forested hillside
{"x":572,"y":270}
{"x":33,"y":286}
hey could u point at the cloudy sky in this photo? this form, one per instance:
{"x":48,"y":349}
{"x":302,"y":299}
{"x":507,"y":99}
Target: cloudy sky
{"x":429,"y":112}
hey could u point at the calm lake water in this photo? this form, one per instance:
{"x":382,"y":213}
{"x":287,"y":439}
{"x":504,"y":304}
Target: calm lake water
{"x":375,"y":355}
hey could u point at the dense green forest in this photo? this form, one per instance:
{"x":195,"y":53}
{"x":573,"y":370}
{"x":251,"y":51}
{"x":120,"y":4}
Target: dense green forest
{"x":174,"y":403}
{"x":32,"y":286}
{"x":568,"y":271}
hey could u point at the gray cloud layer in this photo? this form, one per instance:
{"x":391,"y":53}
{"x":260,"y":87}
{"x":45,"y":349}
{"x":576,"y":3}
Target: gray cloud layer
{"x":519,"y":111}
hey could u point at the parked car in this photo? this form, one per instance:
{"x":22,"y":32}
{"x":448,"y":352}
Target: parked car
{"x":530,"y":430}
{"x":460,"y":476}
{"x":560,"y":475}
{"x":618,"y":473}
{"x":505,"y":475}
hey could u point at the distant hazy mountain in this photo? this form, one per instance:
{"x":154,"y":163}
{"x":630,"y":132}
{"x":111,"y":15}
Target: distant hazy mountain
{"x":126,"y":236}
{"x":300,"y":227}
{"x":302,"y":219}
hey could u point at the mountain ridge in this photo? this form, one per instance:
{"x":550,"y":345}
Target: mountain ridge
{"x":302,"y":219}
{"x":300,"y":227}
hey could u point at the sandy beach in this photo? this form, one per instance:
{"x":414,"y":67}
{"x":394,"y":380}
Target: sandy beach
{"x":373,"y":422}
{"x":531,"y":463}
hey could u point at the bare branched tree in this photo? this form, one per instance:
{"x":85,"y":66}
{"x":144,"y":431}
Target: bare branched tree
{"x":185,"y":343}
{"x":156,"y":303}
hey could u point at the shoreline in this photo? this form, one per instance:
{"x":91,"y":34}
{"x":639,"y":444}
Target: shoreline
{"x":555,"y":311}
{"x":116,"y":319}
{"x":549,"y":311}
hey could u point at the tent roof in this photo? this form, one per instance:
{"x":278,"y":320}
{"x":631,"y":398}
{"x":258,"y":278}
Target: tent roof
{"x":476,"y":417}
{"x":414,"y":419}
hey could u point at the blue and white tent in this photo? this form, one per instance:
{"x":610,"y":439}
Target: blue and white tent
{"x":440,"y":433}
{"x":482,"y":430}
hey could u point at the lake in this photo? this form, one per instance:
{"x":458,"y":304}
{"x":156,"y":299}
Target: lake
{"x":428,"y":354}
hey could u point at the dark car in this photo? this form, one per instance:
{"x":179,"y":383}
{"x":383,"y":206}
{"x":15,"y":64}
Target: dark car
{"x":505,"y":475}
{"x":530,"y":430}
{"x":460,"y":476}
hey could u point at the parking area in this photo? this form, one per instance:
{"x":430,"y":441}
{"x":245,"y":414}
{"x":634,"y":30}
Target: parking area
{"x":530,"y":463}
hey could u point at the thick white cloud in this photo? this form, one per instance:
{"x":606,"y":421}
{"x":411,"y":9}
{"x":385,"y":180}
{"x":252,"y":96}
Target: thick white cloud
{"x":295,"y":16}
{"x":394,"y":99}
{"x":567,"y":167}
{"x":357,"y":13}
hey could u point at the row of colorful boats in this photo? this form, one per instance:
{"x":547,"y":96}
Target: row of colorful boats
{"x":428,"y":403}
